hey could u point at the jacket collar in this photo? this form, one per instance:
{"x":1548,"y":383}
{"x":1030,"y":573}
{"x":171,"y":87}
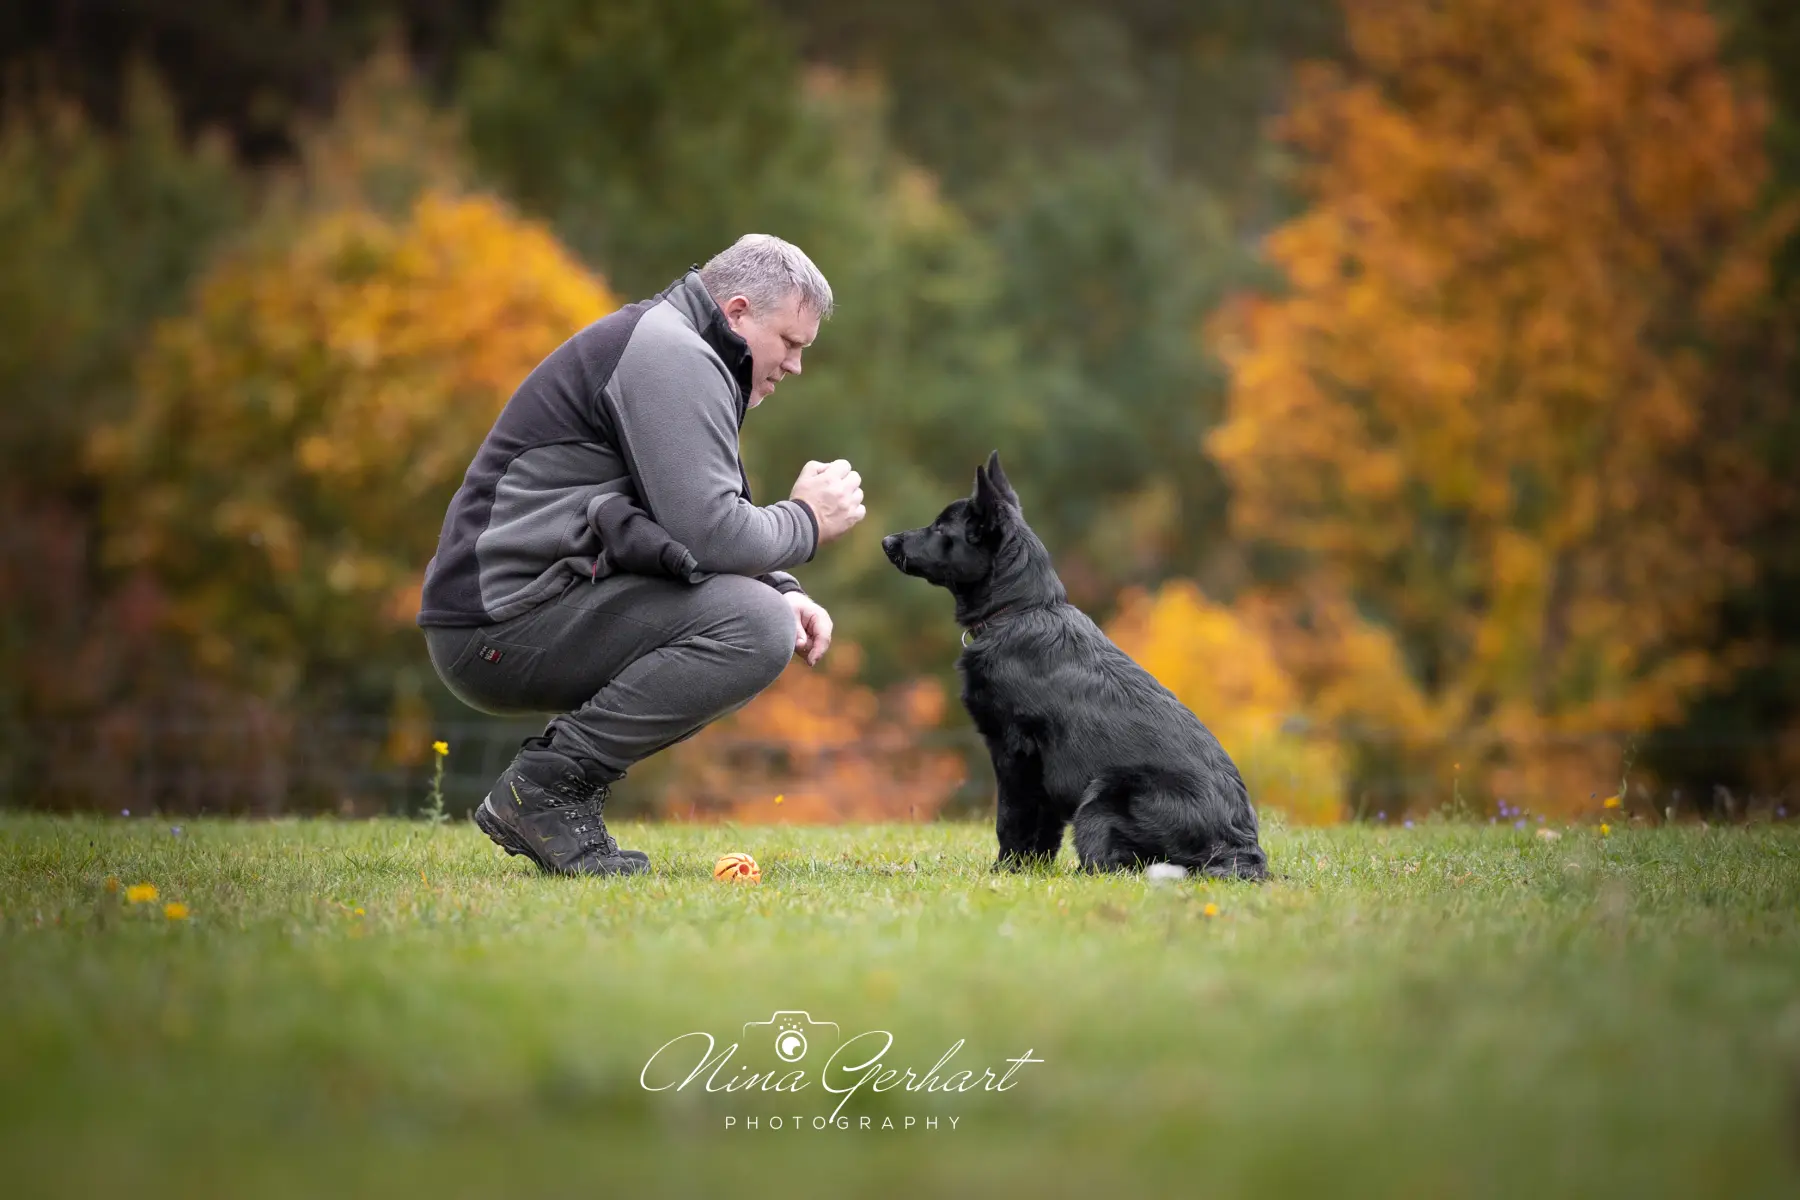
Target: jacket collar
{"x":691,"y":299}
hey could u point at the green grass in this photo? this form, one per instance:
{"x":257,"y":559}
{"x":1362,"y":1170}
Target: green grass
{"x":1442,"y":1011}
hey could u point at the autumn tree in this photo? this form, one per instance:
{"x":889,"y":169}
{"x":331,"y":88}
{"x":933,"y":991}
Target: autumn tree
{"x":297,"y":434}
{"x":1226,"y":670}
{"x":817,"y":748}
{"x":280,"y":478}
{"x":1470,"y":444}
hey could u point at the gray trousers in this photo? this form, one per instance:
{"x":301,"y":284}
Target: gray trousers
{"x":630,"y":664}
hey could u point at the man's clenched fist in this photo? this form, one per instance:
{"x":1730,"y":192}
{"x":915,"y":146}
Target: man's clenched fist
{"x":812,"y":627}
{"x":834,"y":492}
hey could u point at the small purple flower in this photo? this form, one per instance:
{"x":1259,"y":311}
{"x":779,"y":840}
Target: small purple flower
{"x":1540,"y":818}
{"x":124,"y":812}
{"x":1493,"y":820}
{"x":174,"y":831}
{"x":1382,"y":815}
{"x":1409,"y":824}
{"x":1781,"y":811}
{"x":1518,"y":824}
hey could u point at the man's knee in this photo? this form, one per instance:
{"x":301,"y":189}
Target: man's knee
{"x":763,"y":624}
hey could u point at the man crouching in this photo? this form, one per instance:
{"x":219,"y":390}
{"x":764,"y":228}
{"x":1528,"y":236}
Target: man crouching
{"x":603,"y":560}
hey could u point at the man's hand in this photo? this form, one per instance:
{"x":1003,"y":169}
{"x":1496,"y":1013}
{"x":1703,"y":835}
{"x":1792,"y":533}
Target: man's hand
{"x":812,"y":627}
{"x":833,"y":490}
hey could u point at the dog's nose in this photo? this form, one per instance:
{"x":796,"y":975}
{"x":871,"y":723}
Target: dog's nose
{"x":890,"y":546}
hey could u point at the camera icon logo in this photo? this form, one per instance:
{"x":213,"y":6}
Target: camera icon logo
{"x":792,"y":1034}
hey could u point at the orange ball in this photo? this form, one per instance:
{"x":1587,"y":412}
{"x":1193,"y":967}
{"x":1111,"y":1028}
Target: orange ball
{"x":737,"y":868}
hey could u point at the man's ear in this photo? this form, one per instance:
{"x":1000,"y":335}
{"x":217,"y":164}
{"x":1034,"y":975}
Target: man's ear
{"x":997,"y":477}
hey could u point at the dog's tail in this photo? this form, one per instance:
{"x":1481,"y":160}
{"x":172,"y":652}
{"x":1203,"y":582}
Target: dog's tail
{"x":1132,"y":816}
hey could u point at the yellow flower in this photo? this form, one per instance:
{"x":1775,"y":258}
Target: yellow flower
{"x":778,"y":799}
{"x":1211,"y":910}
{"x":1605,"y":829}
{"x":175,"y":910}
{"x":112,"y":883}
{"x":359,"y":912}
{"x":1611,"y":802}
{"x":140,"y":893}
{"x":442,"y":748}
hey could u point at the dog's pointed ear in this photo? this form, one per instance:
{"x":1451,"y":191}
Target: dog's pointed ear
{"x":981,"y":497}
{"x":989,"y":500}
{"x":997,"y":477}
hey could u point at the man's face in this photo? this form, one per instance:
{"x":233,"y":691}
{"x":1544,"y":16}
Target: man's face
{"x":776,"y":339}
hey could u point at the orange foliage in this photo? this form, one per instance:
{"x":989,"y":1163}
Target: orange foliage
{"x":1476,"y":421}
{"x":284,"y":471}
{"x":830,"y":748}
{"x":1225,"y":669}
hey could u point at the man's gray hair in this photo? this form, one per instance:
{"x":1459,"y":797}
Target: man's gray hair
{"x":766,"y":271}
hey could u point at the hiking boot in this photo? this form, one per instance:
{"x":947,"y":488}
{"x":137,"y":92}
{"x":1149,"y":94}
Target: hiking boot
{"x":547,"y":809}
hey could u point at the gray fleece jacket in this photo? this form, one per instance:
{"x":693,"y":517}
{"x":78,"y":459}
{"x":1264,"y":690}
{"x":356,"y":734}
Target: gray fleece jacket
{"x":646,"y":404}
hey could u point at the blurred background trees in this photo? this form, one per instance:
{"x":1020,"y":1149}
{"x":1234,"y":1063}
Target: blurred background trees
{"x":1409,"y":386}
{"x":1492,"y":415}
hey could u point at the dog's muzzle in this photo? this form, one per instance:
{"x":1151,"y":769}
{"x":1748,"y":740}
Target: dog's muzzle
{"x":890,"y":546}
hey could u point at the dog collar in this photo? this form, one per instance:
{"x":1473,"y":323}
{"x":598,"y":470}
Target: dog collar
{"x":968,"y":634}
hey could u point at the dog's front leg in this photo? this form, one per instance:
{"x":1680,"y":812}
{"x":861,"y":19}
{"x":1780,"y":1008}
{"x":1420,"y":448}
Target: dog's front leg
{"x":1015,"y":824}
{"x":1047,"y":837}
{"x":1020,"y":819}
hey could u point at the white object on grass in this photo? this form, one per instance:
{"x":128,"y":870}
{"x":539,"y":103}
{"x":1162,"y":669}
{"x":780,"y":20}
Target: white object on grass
{"x":1158,"y":872}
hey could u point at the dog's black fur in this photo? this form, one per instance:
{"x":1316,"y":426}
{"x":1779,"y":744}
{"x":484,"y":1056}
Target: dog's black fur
{"x":1077,"y":731}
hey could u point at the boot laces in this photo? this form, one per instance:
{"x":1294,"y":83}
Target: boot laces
{"x":585,"y":801}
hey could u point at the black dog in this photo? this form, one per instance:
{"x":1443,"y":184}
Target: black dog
{"x":1077,"y":731}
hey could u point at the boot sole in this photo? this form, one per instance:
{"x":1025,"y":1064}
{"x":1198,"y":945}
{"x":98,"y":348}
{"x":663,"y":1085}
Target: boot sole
{"x":504,"y":837}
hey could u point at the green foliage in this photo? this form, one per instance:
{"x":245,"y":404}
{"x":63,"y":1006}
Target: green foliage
{"x":99,"y":235}
{"x":914,"y":379}
{"x":979,"y":88}
{"x":1110,"y":268}
{"x":1062,"y":327}
{"x":619,"y":121}
{"x":651,"y":134}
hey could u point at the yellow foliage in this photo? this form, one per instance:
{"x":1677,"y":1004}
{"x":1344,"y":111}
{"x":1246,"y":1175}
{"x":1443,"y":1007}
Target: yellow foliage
{"x":1476,"y":419}
{"x":298,"y":432}
{"x":1224,"y":669}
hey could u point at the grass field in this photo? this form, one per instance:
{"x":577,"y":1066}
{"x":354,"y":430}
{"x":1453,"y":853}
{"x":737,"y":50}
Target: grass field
{"x":385,"y":1008}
